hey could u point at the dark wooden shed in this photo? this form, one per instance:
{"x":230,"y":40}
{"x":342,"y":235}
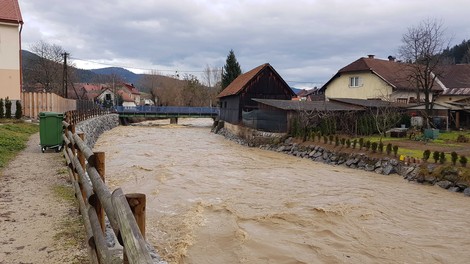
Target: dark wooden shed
{"x":262,"y":82}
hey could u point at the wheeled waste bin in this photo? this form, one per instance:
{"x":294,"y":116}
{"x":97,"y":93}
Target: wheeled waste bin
{"x":50,"y":130}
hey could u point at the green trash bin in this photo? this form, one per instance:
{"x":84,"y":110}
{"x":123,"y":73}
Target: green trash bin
{"x":50,"y":130}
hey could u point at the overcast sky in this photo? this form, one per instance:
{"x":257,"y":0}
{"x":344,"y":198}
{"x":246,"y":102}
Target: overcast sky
{"x":306,"y":41}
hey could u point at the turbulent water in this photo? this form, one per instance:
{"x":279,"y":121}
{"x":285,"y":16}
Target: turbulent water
{"x":210,"y":200}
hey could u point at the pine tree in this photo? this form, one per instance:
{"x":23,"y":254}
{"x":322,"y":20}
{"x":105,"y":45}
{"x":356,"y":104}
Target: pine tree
{"x":231,"y":70}
{"x":19,"y":110}
{"x":2,"y":110}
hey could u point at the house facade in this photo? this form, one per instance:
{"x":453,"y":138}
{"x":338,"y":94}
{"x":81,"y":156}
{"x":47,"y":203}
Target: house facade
{"x":371,"y":78}
{"x":11,"y":24}
{"x":262,"y":82}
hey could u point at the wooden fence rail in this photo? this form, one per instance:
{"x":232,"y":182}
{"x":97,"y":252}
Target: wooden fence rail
{"x":87,"y":172}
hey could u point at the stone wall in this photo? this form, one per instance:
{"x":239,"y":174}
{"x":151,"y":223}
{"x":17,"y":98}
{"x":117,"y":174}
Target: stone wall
{"x":95,"y":126}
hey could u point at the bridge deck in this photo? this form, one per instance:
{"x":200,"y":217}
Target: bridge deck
{"x":166,"y":111}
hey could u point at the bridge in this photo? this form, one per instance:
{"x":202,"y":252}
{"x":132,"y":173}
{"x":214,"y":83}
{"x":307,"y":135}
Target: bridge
{"x":166,"y":111}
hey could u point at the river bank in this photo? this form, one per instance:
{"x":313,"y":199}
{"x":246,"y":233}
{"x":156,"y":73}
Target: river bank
{"x":211,"y":200}
{"x":326,"y":153}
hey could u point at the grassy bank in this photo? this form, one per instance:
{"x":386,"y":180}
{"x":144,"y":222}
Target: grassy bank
{"x":13,"y":138}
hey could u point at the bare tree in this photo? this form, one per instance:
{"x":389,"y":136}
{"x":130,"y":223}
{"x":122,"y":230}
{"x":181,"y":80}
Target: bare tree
{"x":386,"y":116}
{"x":212,"y":77}
{"x":422,"y":48}
{"x":48,"y":68}
{"x":310,"y":118}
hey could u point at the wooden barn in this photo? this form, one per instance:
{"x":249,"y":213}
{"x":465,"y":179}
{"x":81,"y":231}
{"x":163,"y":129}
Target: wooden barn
{"x":262,"y":82}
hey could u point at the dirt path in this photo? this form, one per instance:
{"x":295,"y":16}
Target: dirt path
{"x":36,"y":219}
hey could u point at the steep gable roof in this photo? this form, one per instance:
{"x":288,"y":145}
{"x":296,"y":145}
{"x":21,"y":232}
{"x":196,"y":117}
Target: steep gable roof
{"x":396,"y":74}
{"x":10,"y":12}
{"x":242,"y":81}
{"x":131,"y":88}
{"x":392,"y":72}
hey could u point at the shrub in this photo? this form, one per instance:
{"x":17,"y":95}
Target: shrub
{"x":388,"y":149}
{"x":319,"y":136}
{"x":395,"y":150}
{"x":435,"y":156}
{"x":2,"y":113}
{"x":367,"y":145}
{"x":348,"y":143}
{"x":380,"y":147}
{"x":19,"y":110}
{"x":336,"y":141}
{"x":354,"y":143}
{"x":331,"y":139}
{"x":7,"y":108}
{"x":454,"y":157}
{"x":463,"y":161}
{"x":442,"y":158}
{"x":462,"y":139}
{"x":325,"y":139}
{"x":343,"y":141}
{"x":426,"y":155}
{"x":374,"y":147}
{"x":361,"y":143}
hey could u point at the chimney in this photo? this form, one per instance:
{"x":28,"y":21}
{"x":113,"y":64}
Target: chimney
{"x":391,"y":58}
{"x":371,"y":56}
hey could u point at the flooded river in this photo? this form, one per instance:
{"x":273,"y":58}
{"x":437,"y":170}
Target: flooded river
{"x":210,"y":200}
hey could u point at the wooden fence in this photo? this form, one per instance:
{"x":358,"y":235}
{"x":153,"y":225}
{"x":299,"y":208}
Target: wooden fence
{"x":34,"y":103}
{"x":76,"y":116}
{"x":126,"y":213}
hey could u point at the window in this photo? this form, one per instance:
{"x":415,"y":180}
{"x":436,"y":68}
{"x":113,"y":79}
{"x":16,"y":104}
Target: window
{"x":355,"y":81}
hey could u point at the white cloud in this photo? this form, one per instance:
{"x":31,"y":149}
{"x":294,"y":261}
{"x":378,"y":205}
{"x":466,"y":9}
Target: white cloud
{"x":305,"y":40}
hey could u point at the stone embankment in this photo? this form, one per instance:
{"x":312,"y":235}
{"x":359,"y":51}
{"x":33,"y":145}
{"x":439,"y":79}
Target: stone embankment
{"x":422,"y":173}
{"x":94,"y":127}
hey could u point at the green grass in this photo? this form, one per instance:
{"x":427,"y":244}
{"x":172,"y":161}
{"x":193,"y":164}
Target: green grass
{"x":71,"y":231}
{"x":13,"y":138}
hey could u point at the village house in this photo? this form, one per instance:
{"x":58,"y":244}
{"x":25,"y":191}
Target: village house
{"x":262,"y":82}
{"x":372,"y":78}
{"x":11,"y":24}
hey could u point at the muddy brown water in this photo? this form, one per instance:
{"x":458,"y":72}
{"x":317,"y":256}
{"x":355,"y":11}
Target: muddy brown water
{"x":210,"y":200}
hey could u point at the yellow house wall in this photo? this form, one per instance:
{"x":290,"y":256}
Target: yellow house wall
{"x":10,"y":84}
{"x":371,"y":87}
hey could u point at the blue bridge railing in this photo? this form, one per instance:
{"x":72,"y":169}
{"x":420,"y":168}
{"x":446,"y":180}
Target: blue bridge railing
{"x":171,"y":111}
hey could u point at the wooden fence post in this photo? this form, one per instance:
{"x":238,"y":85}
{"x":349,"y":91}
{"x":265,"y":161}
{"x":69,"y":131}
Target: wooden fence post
{"x":82,"y":160}
{"x":100,"y":165}
{"x":137,"y":203}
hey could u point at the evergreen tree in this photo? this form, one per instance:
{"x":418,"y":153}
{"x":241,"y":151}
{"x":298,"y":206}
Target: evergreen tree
{"x":7,"y":108}
{"x":19,"y":110}
{"x":231,"y":70}
{"x":2,"y":111}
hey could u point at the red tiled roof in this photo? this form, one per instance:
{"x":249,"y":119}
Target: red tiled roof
{"x":125,"y":96}
{"x":131,"y":88}
{"x":10,"y":11}
{"x":241,"y":81}
{"x":456,"y":76}
{"x":394,"y":73}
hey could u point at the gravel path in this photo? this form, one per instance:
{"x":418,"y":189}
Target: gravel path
{"x":34,"y":218}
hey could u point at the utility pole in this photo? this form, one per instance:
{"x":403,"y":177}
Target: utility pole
{"x":64,"y":75}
